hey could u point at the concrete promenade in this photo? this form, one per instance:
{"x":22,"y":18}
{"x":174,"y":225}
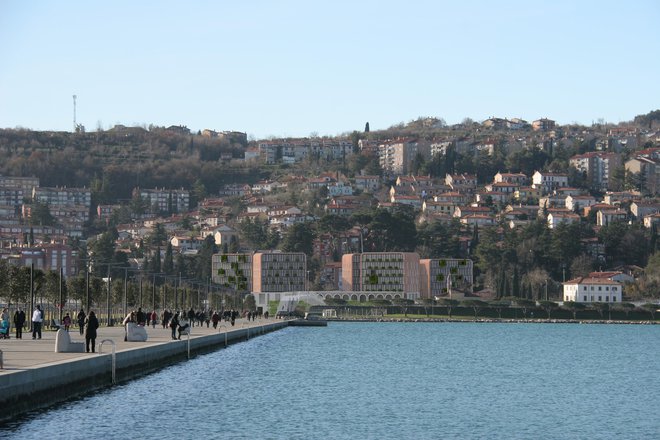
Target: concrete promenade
{"x":33,"y":375}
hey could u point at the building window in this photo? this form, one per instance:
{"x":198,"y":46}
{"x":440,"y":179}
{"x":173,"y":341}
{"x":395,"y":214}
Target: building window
{"x":607,"y":299}
{"x":600,"y":298}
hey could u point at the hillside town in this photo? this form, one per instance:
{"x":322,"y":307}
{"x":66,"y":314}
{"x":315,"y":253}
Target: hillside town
{"x":504,"y":207}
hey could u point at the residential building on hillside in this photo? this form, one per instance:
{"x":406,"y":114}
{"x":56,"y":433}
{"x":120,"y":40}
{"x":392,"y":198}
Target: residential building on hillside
{"x":615,"y":198}
{"x":224,"y":235}
{"x":381,"y":272}
{"x":593,"y":289}
{"x":279,"y":271}
{"x":555,"y":218}
{"x":647,"y":169}
{"x":516,"y":178}
{"x":641,"y":209}
{"x":577,"y":203}
{"x":548,"y":182}
{"x":527,"y":194}
{"x":165,"y":200}
{"x":430,"y":206}
{"x":462,"y":182}
{"x":367,"y":183}
{"x":543,"y":124}
{"x":396,"y":156}
{"x":63,"y":196}
{"x":25,"y":184}
{"x":47,"y":256}
{"x":598,"y":167}
{"x":606,"y":216}
{"x":440,"y":275}
{"x":232,"y":271}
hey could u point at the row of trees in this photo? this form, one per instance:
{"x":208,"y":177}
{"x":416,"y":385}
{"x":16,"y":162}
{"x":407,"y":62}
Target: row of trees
{"x":142,"y":289}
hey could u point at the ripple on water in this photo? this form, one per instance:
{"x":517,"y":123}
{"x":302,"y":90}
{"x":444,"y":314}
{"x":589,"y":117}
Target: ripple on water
{"x":388,"y":381}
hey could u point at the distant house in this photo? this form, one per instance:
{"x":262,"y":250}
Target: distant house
{"x":517,"y":178}
{"x":430,"y":206}
{"x":614,"y":275}
{"x":224,"y":234}
{"x":505,"y":187}
{"x":527,"y":193}
{"x":593,"y":289}
{"x":367,"y":183}
{"x":555,"y":218}
{"x":543,"y":124}
{"x":652,"y":220}
{"x":461,"y":182}
{"x":548,"y":182}
{"x":606,"y":216}
{"x":478,"y":220}
{"x":642,"y":209}
{"x":576,"y":203}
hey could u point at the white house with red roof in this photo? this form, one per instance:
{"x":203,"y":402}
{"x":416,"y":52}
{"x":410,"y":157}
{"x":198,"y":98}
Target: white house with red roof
{"x":593,"y":289}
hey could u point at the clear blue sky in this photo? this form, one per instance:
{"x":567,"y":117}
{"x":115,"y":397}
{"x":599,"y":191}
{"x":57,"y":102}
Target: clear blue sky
{"x":294,"y":67}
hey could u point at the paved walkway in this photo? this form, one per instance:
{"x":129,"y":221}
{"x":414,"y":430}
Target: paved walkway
{"x":26,"y":353}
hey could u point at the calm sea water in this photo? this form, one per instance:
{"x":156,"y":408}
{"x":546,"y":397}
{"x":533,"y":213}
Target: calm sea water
{"x":388,"y":381}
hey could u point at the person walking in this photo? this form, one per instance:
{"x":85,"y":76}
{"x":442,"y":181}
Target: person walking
{"x":191,"y":317}
{"x":37,"y":320}
{"x":154,"y":318}
{"x":67,"y":322}
{"x":19,"y":322}
{"x":174,"y":324}
{"x":92,"y":324}
{"x":81,"y":321}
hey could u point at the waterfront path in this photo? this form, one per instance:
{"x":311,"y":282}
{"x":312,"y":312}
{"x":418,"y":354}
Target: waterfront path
{"x":28,"y":353}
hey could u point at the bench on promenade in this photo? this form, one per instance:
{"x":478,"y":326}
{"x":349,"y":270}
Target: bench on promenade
{"x":55,"y":324}
{"x":64,"y":344}
{"x":135,"y":332}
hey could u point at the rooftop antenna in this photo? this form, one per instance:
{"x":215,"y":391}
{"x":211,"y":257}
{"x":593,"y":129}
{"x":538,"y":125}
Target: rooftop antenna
{"x":74,"y":113}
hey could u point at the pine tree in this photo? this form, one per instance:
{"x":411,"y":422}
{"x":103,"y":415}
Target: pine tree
{"x":168,"y":261}
{"x":366,"y":127}
{"x":516,"y":282}
{"x":155,"y":265}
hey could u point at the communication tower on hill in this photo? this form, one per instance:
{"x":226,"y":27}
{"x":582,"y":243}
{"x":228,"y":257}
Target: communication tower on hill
{"x":75,"y":126}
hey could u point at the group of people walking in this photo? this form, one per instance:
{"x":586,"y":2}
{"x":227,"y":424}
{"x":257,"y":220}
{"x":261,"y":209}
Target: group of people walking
{"x":179,"y":322}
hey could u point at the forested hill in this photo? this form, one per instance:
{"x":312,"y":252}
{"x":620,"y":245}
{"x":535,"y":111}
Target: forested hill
{"x":119,"y":160}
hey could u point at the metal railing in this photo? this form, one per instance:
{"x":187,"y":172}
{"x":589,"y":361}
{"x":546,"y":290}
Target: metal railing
{"x":114,"y":357}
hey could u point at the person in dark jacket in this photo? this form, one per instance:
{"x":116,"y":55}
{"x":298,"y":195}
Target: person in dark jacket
{"x":191,"y":317}
{"x":174,"y":324}
{"x":19,"y":322}
{"x":140,"y":317}
{"x":81,"y":321}
{"x":90,"y":331}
